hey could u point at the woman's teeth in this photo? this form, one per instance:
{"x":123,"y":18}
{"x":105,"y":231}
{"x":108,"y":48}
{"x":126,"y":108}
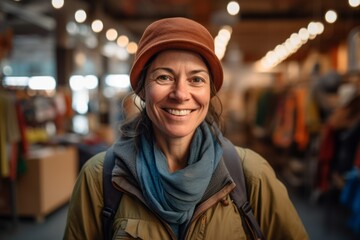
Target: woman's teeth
{"x":178,"y":112}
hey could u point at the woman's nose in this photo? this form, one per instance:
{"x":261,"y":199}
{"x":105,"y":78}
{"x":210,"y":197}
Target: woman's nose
{"x":180,"y":90}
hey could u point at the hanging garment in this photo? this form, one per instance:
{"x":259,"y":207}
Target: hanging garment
{"x":346,"y":144}
{"x":265,"y":107}
{"x":4,"y":165}
{"x":312,"y":116}
{"x":357,"y":157}
{"x":350,"y":196}
{"x":326,"y":154}
{"x":301,"y":134}
{"x":283,"y":133}
{"x":22,"y":128}
{"x":9,"y":135}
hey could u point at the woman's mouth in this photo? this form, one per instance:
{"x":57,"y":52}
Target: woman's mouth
{"x":177,"y":112}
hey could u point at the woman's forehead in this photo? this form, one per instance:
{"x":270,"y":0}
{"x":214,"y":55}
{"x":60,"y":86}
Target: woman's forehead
{"x":170,"y":57}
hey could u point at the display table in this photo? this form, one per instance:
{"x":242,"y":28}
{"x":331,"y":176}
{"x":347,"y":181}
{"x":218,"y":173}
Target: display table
{"x":48,"y":181}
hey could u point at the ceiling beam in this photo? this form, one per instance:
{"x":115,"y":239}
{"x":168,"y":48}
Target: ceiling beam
{"x":28,"y":15}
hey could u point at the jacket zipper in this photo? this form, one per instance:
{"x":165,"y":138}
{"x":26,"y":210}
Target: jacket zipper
{"x":215,"y":198}
{"x":208,"y":204}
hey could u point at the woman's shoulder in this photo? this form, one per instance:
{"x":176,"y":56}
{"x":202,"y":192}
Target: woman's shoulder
{"x":256,"y":167}
{"x":94,"y":165}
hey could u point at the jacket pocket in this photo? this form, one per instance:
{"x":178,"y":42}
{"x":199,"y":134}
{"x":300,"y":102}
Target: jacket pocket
{"x":140,"y":229}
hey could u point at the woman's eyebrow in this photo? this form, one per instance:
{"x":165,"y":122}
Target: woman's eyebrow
{"x":164,"y":69}
{"x":200,"y":71}
{"x":173,"y":72}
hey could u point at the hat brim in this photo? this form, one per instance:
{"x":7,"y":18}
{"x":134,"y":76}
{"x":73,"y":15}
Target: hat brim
{"x":211,"y":59}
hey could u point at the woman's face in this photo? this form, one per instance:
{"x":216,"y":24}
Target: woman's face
{"x":177,"y":93}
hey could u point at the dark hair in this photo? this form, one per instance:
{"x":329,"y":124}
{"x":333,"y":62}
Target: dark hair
{"x":141,"y":124}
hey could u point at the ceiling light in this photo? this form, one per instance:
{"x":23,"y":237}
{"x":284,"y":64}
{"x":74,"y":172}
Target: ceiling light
{"x":118,"y":80}
{"x":319,"y":27}
{"x":91,"y":81}
{"x":330,"y":16}
{"x":132,"y":47}
{"x":304,"y":35}
{"x":57,"y":3}
{"x":76,"y":82}
{"x":97,"y":25}
{"x":233,"y":8}
{"x":281,"y":51}
{"x":295,"y":39}
{"x":354,"y":3}
{"x":16,"y":81}
{"x":111,"y":34}
{"x":122,"y":41}
{"x":42,"y":83}
{"x":79,"y":82}
{"x":221,"y":41}
{"x":80,"y":16}
{"x":225,"y":34}
{"x":291,"y":45}
{"x":312,"y":28}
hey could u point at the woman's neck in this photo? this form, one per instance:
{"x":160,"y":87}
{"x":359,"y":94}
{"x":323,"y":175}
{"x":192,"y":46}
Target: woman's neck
{"x":176,"y":151}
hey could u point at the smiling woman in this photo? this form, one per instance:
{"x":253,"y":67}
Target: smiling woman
{"x":177,"y":97}
{"x":169,"y":162}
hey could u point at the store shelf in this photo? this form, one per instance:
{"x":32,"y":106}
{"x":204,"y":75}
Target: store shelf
{"x":48,"y":182}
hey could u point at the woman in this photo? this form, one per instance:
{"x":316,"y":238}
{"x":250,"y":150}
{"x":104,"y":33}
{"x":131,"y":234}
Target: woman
{"x":167,"y":159}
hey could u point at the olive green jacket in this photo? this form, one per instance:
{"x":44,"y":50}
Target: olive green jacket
{"x":215,"y":218}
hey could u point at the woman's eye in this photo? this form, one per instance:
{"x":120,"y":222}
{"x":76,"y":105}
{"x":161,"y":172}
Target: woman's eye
{"x":197,"y":80}
{"x":163,"y":78}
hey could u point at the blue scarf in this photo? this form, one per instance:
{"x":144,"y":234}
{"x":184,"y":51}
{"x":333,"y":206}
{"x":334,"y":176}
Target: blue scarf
{"x":174,"y":195}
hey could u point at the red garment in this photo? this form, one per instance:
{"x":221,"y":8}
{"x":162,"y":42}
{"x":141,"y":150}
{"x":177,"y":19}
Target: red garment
{"x":326,"y":154}
{"x":357,"y":157}
{"x":13,"y":161}
{"x":22,"y":127}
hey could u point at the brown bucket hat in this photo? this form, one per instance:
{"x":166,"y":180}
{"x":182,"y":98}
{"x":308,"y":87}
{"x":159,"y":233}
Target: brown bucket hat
{"x":176,"y":33}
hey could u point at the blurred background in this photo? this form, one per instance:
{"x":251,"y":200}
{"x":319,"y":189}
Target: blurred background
{"x":291,"y":93}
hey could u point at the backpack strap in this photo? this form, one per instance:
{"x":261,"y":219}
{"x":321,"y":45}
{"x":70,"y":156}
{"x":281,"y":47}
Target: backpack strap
{"x":111,"y":195}
{"x":239,"y":194}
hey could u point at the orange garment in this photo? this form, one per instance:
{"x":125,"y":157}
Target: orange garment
{"x":301,"y":135}
{"x":312,"y":116}
{"x":284,"y":123}
{"x":68,"y":102}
